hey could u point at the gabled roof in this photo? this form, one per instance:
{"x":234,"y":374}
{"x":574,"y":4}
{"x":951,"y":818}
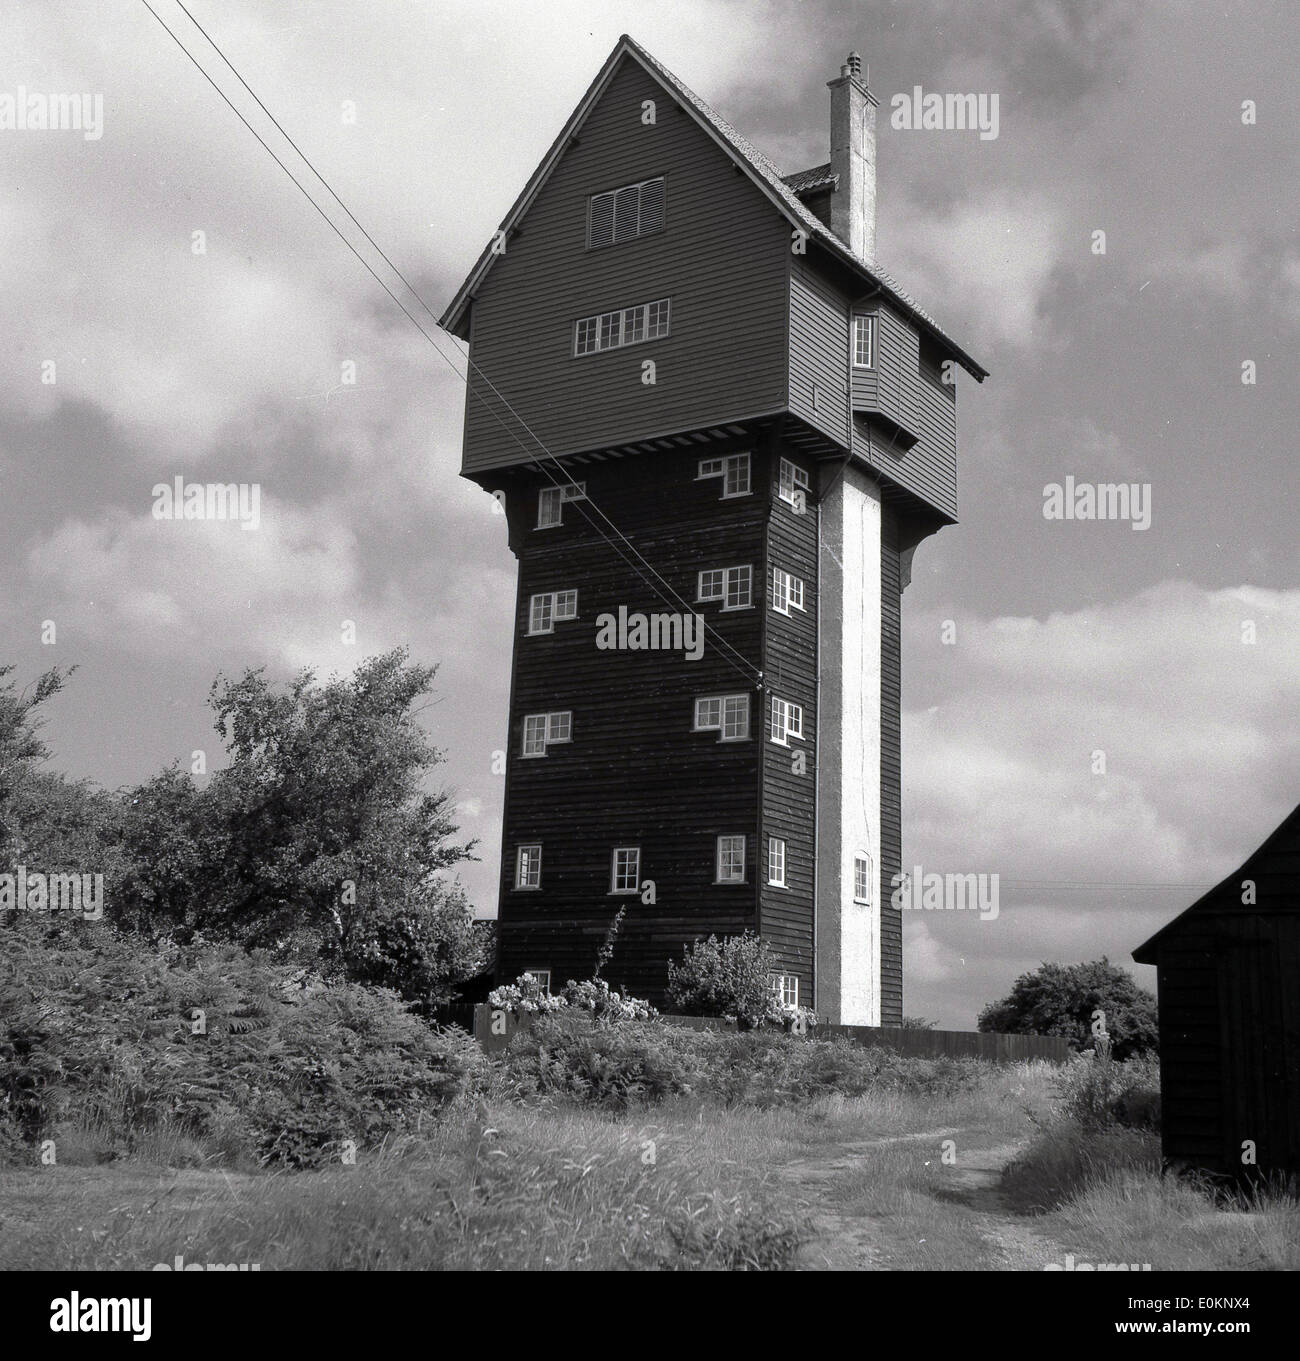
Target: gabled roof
{"x":761,"y":170}
{"x":1287,"y":834}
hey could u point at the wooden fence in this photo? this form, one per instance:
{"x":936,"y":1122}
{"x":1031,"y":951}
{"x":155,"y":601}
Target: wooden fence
{"x":493,"y":1029}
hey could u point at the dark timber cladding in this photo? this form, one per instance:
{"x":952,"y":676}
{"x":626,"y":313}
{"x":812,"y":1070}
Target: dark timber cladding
{"x":721,"y":260}
{"x":1228,"y":975}
{"x":757,"y":360}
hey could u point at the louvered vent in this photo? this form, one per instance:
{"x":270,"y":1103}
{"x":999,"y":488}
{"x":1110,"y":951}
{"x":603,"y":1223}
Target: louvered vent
{"x":626,"y":213}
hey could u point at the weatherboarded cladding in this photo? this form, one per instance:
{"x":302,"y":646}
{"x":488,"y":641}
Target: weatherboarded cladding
{"x":790,"y":672}
{"x":891,"y":817}
{"x":819,"y":350}
{"x":634,"y":773}
{"x":900,"y":391}
{"x":722,"y":260}
{"x":1228,"y":975}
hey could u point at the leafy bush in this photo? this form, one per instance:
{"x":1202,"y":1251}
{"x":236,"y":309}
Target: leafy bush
{"x":731,"y":978}
{"x":572,"y":1056}
{"x":1099,"y":1093}
{"x":1060,"y":999}
{"x":256,"y":1061}
{"x":526,"y":996}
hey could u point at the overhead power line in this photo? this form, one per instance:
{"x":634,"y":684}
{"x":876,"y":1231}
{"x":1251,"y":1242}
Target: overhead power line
{"x":648,"y":574}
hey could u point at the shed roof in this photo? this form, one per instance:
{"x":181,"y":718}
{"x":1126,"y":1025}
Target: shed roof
{"x":748,"y":157}
{"x":1227,"y":893}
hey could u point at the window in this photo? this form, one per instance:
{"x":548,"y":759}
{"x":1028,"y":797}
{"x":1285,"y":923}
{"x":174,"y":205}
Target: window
{"x":727,"y":715}
{"x":626,"y":213}
{"x":550,"y":502}
{"x":528,"y":867}
{"x":731,"y":860}
{"x":864,"y":341}
{"x":787,"y":591}
{"x":627,"y":326}
{"x":787,"y":721}
{"x":734,"y":471}
{"x":546,"y":609}
{"x":548,"y":507}
{"x":793,"y":480}
{"x":776,"y":861}
{"x":786,"y":987}
{"x":861,"y":878}
{"x":733,"y":586}
{"x":543,"y":977}
{"x":542,"y":730}
{"x":740,"y":582}
{"x":541,"y":614}
{"x":625,"y":870}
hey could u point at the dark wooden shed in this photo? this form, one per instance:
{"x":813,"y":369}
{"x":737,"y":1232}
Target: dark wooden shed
{"x":1228,"y":975}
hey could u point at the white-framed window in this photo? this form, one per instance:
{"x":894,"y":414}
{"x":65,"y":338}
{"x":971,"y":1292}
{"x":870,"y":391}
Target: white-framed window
{"x":791,"y":482}
{"x":625,"y":213}
{"x":864,"y":341}
{"x":862,"y":878}
{"x":786,"y":987}
{"x":776,"y":861}
{"x":732,"y":468}
{"x":787,"y":721}
{"x":711,"y":584}
{"x":528,"y":866}
{"x":624,"y":326}
{"x":550,"y":502}
{"x":625,"y":869}
{"x":541,"y":613}
{"x":544,"y":730}
{"x":548,"y":608}
{"x":542,"y":976}
{"x":727,"y":715}
{"x":787,"y":591}
{"x":731,"y":860}
{"x":740,"y":588}
{"x":549,"y":513}
{"x":731,"y":586}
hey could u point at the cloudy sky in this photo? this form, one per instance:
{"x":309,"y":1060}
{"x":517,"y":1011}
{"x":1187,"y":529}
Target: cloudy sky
{"x":427,"y":117}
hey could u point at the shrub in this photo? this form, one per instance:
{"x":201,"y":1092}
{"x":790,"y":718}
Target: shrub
{"x":257,"y":1061}
{"x":525,"y":995}
{"x":644,"y":1062}
{"x":1098,"y":1093}
{"x":731,"y":978}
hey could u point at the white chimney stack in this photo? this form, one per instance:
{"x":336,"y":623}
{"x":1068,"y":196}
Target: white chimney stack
{"x":853,"y":159}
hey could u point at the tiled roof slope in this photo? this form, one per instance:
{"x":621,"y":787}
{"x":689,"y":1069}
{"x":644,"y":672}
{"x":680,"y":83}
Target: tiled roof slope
{"x":810,"y":181}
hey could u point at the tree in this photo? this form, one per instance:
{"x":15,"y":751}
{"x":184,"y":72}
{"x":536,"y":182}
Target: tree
{"x":1061,"y":999}
{"x":319,"y":841}
{"x":22,"y":751}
